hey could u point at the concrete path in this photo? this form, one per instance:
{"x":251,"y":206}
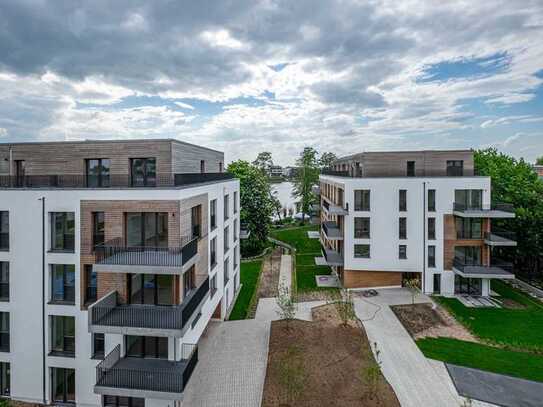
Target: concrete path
{"x":267,"y":309}
{"x":403,"y":364}
{"x":285,"y":273}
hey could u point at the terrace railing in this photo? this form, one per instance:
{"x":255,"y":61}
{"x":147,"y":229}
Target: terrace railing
{"x":463,"y":207}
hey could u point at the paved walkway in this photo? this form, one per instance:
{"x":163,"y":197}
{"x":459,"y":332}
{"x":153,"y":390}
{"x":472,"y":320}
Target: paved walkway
{"x":403,"y":364}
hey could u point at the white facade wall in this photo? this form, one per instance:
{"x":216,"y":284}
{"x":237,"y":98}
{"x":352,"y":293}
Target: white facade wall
{"x":25,"y":274}
{"x":384,"y":217}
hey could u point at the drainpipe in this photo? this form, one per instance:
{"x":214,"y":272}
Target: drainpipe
{"x":42,"y":199}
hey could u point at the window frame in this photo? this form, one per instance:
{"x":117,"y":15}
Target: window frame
{"x":213,"y":214}
{"x":402,"y":200}
{"x":68,"y":245}
{"x":98,"y":231}
{"x":68,"y":296}
{"x":103,"y":178}
{"x":149,"y":179}
{"x":431,"y":200}
{"x":226,"y":207}
{"x":4,"y":231}
{"x":402,"y":228}
{"x":65,"y":372}
{"x":402,"y":252}
{"x":431,"y":256}
{"x":226,"y":238}
{"x":226,"y":271}
{"x":453,"y":169}
{"x":411,"y":168}
{"x":360,"y":246}
{"x":5,"y":335}
{"x":5,"y":379}
{"x":362,"y":233}
{"x":98,"y":354}
{"x":363,"y":204}
{"x":66,"y":339}
{"x":431,"y":228}
{"x":4,"y":285}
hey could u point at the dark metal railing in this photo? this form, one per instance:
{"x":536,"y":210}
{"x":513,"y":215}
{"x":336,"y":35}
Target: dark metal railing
{"x":115,"y":252}
{"x":170,"y":377}
{"x":330,"y":227}
{"x":505,"y":207}
{"x":504,"y":265}
{"x":109,"y":181}
{"x":328,"y":171}
{"x":110,"y":313}
{"x":501,"y":234}
{"x":4,"y":241}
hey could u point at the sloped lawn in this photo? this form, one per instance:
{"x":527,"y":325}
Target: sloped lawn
{"x":248,"y":276}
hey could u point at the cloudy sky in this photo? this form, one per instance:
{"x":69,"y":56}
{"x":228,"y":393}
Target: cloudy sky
{"x":247,"y":76}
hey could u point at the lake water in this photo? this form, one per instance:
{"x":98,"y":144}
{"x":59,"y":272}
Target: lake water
{"x":283,"y":192}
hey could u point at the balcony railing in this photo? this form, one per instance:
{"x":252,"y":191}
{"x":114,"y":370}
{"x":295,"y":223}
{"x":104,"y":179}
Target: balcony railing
{"x":111,"y":181}
{"x":500,"y":235}
{"x":146,"y":374}
{"x":332,"y":230}
{"x":502,"y":207}
{"x":496,"y":266}
{"x":108,"y":312}
{"x":327,"y":171}
{"x":116,"y":253}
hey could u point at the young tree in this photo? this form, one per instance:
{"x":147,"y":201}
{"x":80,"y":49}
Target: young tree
{"x":345,"y":307}
{"x":306,"y":178}
{"x":413,"y":285}
{"x":256,"y":206}
{"x":327,"y":159}
{"x":264,"y":162}
{"x":287,"y":307}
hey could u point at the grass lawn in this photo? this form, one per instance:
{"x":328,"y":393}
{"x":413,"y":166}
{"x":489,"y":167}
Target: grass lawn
{"x":469,"y":354}
{"x":249,"y":273}
{"x":306,"y":251}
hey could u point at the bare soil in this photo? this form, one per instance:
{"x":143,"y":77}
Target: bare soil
{"x":511,"y":304}
{"x":269,"y":280}
{"x":321,"y":295}
{"x":422,"y":321}
{"x":332,"y":362}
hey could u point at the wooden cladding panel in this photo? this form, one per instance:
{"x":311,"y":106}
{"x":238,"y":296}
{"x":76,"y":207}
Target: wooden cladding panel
{"x":363,"y":278}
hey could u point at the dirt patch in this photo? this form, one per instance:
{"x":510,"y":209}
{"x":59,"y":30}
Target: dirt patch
{"x":269,"y":280}
{"x":321,"y":295}
{"x":511,"y":304}
{"x":421,"y":321}
{"x":321,"y":363}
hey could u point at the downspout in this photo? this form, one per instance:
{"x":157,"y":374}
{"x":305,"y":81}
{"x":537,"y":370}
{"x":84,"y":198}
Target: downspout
{"x":423,"y":237}
{"x":42,"y":199}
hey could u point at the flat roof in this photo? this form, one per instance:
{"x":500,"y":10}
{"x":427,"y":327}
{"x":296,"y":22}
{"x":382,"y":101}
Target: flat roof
{"x":404,"y":152}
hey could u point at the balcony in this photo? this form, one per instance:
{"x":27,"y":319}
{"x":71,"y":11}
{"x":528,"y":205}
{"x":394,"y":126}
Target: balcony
{"x":146,"y":378}
{"x":331,"y":257}
{"x":498,"y":211}
{"x":500,"y":238}
{"x":115,"y":257}
{"x":498,"y":269}
{"x":333,"y":209}
{"x":332,"y":231}
{"x":108,"y":316}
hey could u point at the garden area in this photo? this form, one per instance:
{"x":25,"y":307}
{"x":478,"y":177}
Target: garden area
{"x":249,"y":275}
{"x":505,"y":340}
{"x":306,"y":269}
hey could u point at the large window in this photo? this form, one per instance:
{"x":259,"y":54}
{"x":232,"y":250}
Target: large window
{"x":226,"y":239}
{"x":235,"y":231}
{"x":62,"y":335}
{"x":63,"y":283}
{"x":91,"y":284}
{"x":235,"y":201}
{"x":431,"y":200}
{"x":213,"y":253}
{"x":410,"y":168}
{"x":455,"y":168}
{"x":98,"y":172}
{"x":226,"y":271}
{"x":403,"y":200}
{"x":469,"y":228}
{"x":189,"y":281}
{"x":63,"y":385}
{"x":403,"y":228}
{"x":431,"y":228}
{"x":143,"y":172}
{"x":4,"y":331}
{"x":146,"y":347}
{"x":431,"y":256}
{"x":120,"y":401}
{"x":5,"y":379}
{"x":362,"y":200}
{"x":213,"y":213}
{"x":469,"y":198}
{"x":62,"y":231}
{"x":196,"y":221}
{"x":97,"y":346}
{"x":4,"y":281}
{"x":147,"y":229}
{"x":469,"y":255}
{"x":471,"y":286}
{"x":213,"y":285}
{"x":4,"y":230}
{"x":362,"y":228}
{"x":152,"y":289}
{"x":98,"y":228}
{"x":226,"y":207}
{"x":362,"y":251}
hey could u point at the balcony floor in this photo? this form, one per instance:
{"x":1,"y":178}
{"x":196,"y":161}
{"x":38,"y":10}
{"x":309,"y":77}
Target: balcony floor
{"x":484,"y":213}
{"x":484,"y":272}
{"x":117,"y":317}
{"x":145,"y":258}
{"x":496,"y":240}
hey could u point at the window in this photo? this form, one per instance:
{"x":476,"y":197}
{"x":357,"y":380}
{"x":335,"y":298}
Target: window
{"x":469,"y":228}
{"x":196,"y":221}
{"x":62,"y":336}
{"x":20,"y":173}
{"x":468,"y":199}
{"x":226,"y":271}
{"x":4,"y":281}
{"x":235,"y":201}
{"x":98,"y":228}
{"x":98,"y":346}
{"x":220,"y":166}
{"x":431,"y":256}
{"x":235,"y":252}
{"x":120,"y":401}
{"x":362,"y":200}
{"x":5,"y":379}
{"x":4,"y":331}
{"x":189,"y":281}
{"x":361,"y":228}
{"x":403,"y":200}
{"x":403,"y":228}
{"x":226,"y":243}
{"x":147,"y":229}
{"x":63,"y":385}
{"x":213,"y":213}
{"x":455,"y":168}
{"x":402,"y":252}
{"x":202,"y":166}
{"x":362,"y":251}
{"x":431,"y":200}
{"x":4,"y":230}
{"x":152,"y":289}
{"x":235,"y":231}
{"x":213,"y":253}
{"x":431,"y":228}
{"x":62,"y":231}
{"x":411,"y":168}
{"x":226,"y":208}
{"x":437,"y":283}
{"x":146,"y":347}
{"x":91,"y":281}
{"x":143,"y":172}
{"x":468,"y":255}
{"x":63,"y":283}
{"x":98,"y":172}
{"x":213,"y":285}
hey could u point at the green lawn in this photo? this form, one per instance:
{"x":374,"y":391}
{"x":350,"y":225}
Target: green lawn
{"x":516,"y":329}
{"x":249,"y":273}
{"x":520,"y":364}
{"x":306,"y":251}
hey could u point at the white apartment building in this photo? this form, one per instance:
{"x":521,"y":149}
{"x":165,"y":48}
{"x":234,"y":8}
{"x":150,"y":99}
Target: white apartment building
{"x":387,"y":217}
{"x":114,"y":257}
